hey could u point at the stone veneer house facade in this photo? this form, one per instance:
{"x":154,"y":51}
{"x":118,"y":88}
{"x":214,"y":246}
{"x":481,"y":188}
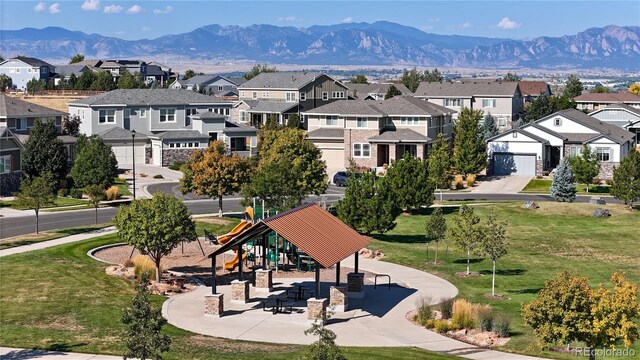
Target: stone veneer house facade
{"x":375,"y":133}
{"x":538,"y":146}
{"x":169,"y":124}
{"x":502,"y":100}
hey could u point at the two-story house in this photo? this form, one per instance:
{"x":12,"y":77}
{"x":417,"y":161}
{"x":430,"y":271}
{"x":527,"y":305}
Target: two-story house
{"x":22,"y":69}
{"x":283,"y":93}
{"x":374,"y":91}
{"x":169,"y":124}
{"x":595,"y":101}
{"x":502,"y":100}
{"x":622,"y":115}
{"x":375,"y":133}
{"x":215,"y":85}
{"x":531,"y":90}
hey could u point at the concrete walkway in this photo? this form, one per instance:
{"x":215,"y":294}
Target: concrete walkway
{"x":377,"y":320}
{"x":502,"y":184}
{"x":60,"y":241}
{"x":24,"y":354}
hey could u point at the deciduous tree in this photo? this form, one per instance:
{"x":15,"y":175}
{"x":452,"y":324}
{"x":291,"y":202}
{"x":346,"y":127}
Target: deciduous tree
{"x":359,"y":79}
{"x":469,"y":148}
{"x":411,"y":79}
{"x":467,"y":232}
{"x":129,"y":81}
{"x":511,"y":77}
{"x":393,"y":91}
{"x":573,"y":87}
{"x":432,"y":76}
{"x":71,"y":125}
{"x":626,"y":179}
{"x":44,"y":152}
{"x":215,"y":174}
{"x":259,"y":69}
{"x":585,"y":166}
{"x":76,"y":58}
{"x":155,"y":226}
{"x":325,"y":348}
{"x":600,"y":89}
{"x":95,"y":163}
{"x":36,"y":193}
{"x":547,"y":105}
{"x":435,"y":226}
{"x":408,"y":179}
{"x":494,"y":245}
{"x":635,"y":88}
{"x":103,"y":82}
{"x":36,"y":86}
{"x":6,"y":83}
{"x":562,"y":186}
{"x":85,"y":80}
{"x":188,"y":74}
{"x":96,"y":195}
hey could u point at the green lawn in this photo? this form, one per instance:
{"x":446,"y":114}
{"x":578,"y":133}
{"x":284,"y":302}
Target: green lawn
{"x":543,"y":242}
{"x":122,"y":187}
{"x":543,"y":186}
{"x":58,"y":202}
{"x":60,"y":299}
{"x":48,"y":235}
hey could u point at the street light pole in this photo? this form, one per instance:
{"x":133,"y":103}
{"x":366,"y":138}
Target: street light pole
{"x":133,"y":144}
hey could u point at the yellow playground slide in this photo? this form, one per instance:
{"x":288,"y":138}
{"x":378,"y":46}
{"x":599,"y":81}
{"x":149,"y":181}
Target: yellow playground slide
{"x":234,"y":262}
{"x":237,"y":230}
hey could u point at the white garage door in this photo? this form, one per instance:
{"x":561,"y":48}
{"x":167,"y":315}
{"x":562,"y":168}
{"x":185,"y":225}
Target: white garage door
{"x":124,"y":153}
{"x":334,"y":159}
{"x":514,"y":164}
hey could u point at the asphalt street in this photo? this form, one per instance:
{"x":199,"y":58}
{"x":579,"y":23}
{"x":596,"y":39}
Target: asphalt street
{"x":15,"y":226}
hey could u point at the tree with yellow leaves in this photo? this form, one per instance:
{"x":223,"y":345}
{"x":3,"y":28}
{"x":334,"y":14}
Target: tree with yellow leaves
{"x":635,"y":88}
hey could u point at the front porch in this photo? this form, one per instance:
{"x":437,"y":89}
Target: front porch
{"x":388,"y":153}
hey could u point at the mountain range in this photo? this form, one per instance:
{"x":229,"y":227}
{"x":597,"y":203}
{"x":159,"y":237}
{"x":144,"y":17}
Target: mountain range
{"x":378,"y":43}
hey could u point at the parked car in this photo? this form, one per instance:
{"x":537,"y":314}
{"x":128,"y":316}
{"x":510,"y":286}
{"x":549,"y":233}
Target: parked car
{"x":340,"y":178}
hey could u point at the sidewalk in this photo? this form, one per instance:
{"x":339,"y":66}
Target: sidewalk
{"x":60,"y":241}
{"x":23,"y":354}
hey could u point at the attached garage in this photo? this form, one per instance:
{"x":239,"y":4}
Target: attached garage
{"x":122,"y":145}
{"x":334,"y":158}
{"x":331,"y":143}
{"x":514,"y":164}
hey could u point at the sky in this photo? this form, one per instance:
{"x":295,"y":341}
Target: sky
{"x":151,"y":19}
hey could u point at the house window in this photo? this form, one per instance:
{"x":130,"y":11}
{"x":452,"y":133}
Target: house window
{"x":242,"y":93}
{"x":331,"y":120}
{"x":291,"y":97}
{"x":557,"y":122}
{"x":238,"y":144}
{"x":361,"y":122}
{"x":409,"y":121}
{"x":604,"y":154}
{"x":143,"y":113}
{"x":361,"y":150}
{"x":107,"y":116}
{"x":389,"y":121}
{"x":575,"y":150}
{"x":265,"y":94}
{"x":515,"y":134}
{"x":21,"y":124}
{"x":243,"y":116}
{"x":5,"y":164}
{"x":303,"y":96}
{"x":254,"y":94}
{"x":489,"y":103}
{"x":338,"y":94}
{"x":502,"y":122}
{"x":452,"y":102}
{"x":17,"y":70}
{"x":220,"y":88}
{"x":191,"y":111}
{"x":167,"y":115}
{"x":325,"y":95}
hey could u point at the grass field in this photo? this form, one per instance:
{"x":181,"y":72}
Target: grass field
{"x":543,"y":242}
{"x":48,"y":235}
{"x":60,"y":299}
{"x":58,"y":202}
{"x":122,"y":187}
{"x":543,"y":186}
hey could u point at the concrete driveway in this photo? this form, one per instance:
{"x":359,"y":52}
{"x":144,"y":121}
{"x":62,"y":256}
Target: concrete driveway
{"x":502,"y":184}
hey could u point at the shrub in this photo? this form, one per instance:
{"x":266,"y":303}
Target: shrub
{"x":76,"y":193}
{"x":446,"y":308}
{"x":462,"y":317}
{"x":63,"y":192}
{"x":67,"y":183}
{"x":429,"y":324}
{"x":143,"y":175}
{"x":128,"y":263}
{"x":424,"y":312}
{"x":144,"y":266}
{"x":112,"y":193}
{"x":501,"y":324}
{"x":120,"y":180}
{"x":471,"y":179}
{"x":596,"y":181}
{"x":538,"y":177}
{"x":176,"y":165}
{"x":609,"y":182}
{"x":158,"y":176}
{"x":441,"y":326}
{"x":484,"y":317}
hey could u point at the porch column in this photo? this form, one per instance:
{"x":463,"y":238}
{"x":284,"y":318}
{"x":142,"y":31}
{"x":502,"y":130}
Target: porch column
{"x":420,"y":151}
{"x":392,"y":153}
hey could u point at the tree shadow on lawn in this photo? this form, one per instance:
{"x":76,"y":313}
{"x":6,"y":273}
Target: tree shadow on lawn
{"x":525,"y":291}
{"x":446,"y":210}
{"x":52,"y":350}
{"x":508,"y":272}
{"x":471,"y":261}
{"x":405,"y":239}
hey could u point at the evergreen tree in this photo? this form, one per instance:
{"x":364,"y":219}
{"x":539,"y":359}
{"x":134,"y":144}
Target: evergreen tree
{"x":562,"y":187}
{"x":409,"y":182}
{"x":432,"y":76}
{"x":435,"y":226}
{"x":411,"y":79}
{"x":489,"y":127}
{"x":85,"y":80}
{"x":440,"y":163}
{"x":467,"y":232}
{"x":103,"y":82}
{"x":626,"y":179}
{"x":293,"y":121}
{"x":95,"y":163}
{"x":359,"y":79}
{"x":144,"y":322}
{"x":188,"y":74}
{"x":129,"y":81}
{"x":36,"y":86}
{"x":393,"y":91}
{"x":585,"y":166}
{"x":76,"y":58}
{"x":71,"y":82}
{"x":44,"y":152}
{"x":469,"y":148}
{"x":258,"y":69}
{"x":511,"y":77}
{"x":573,"y":87}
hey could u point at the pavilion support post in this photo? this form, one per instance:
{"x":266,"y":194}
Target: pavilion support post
{"x":213,"y":303}
{"x":264,"y":251}
{"x":317,"y":280}
{"x":239,"y":262}
{"x":355,"y":262}
{"x":214,"y":287}
{"x":338,"y":274}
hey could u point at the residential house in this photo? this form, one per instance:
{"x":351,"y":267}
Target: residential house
{"x":595,"y":101}
{"x":22,"y":69}
{"x":374,"y":91}
{"x":64,"y":72}
{"x":10,"y":170}
{"x":150,"y":72}
{"x":285,"y":93}
{"x":502,"y":100}
{"x":375,"y":133}
{"x":531,"y":90}
{"x":169,"y":124}
{"x":622,"y":115}
{"x":215,"y":85}
{"x":538,"y":146}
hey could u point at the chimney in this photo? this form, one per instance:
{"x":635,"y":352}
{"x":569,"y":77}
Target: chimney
{"x":292,"y":78}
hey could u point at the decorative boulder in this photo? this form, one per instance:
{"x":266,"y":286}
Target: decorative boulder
{"x":597,"y":200}
{"x":530,"y":204}
{"x":601,"y":213}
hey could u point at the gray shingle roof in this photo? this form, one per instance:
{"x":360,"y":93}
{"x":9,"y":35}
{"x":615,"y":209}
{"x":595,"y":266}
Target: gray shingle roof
{"x":11,"y":107}
{"x":349,"y":107}
{"x":522,"y":131}
{"x":67,"y":70}
{"x":272,"y":106}
{"x":233,"y":127}
{"x":326,"y":133}
{"x":181,"y":134}
{"x":281,"y":80}
{"x":33,"y":61}
{"x":466,"y":89}
{"x":362,"y":90}
{"x":399,"y":136}
{"x":579,"y":137}
{"x":118,"y":133}
{"x":399,"y":105}
{"x":138,"y":97}
{"x":613,"y":132}
{"x":209,"y":115}
{"x":199,"y":79}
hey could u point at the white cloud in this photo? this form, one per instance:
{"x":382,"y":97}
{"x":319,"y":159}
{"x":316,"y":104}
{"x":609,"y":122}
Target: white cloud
{"x":145,"y":29}
{"x":427,"y":27}
{"x":120,"y":32}
{"x":166,"y":10}
{"x":508,"y":24}
{"x":348,"y":19}
{"x":113,"y":9}
{"x":288,"y":19}
{"x":54,"y":8}
{"x":431,"y":20}
{"x":40,"y":7}
{"x":90,"y":5}
{"x":135,"y":9}
{"x":466,"y":25}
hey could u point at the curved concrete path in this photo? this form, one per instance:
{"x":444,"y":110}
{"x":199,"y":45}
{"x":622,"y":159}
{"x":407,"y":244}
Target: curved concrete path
{"x":378,"y":320}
